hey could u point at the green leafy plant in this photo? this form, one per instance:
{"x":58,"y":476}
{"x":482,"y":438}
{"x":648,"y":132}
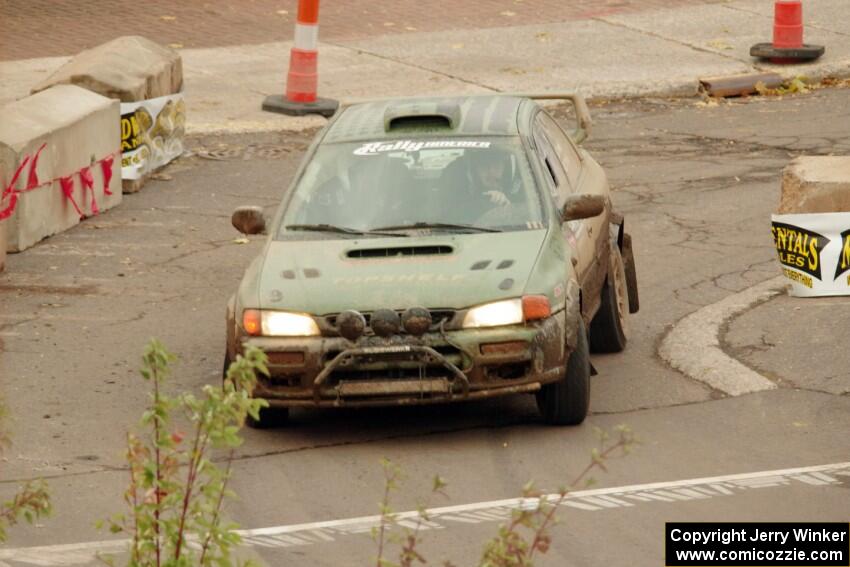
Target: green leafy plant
{"x":518,"y":541}
{"x":31,"y":502}
{"x":407,"y":538}
{"x":176,"y":490}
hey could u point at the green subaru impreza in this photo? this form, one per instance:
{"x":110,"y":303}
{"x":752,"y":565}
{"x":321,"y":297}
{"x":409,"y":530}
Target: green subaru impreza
{"x":436,"y":250}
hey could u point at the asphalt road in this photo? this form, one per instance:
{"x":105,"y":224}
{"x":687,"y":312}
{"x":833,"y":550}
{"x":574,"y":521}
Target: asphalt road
{"x":697,"y":185}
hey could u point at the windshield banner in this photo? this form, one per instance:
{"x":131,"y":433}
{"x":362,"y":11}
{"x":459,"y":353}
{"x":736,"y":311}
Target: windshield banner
{"x":151,"y":134}
{"x":373,"y":148}
{"x":814,"y":250}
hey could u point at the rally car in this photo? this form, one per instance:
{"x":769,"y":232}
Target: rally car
{"x":434,"y":250}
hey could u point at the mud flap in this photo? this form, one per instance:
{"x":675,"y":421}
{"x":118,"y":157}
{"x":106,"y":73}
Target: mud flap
{"x":631,"y":273}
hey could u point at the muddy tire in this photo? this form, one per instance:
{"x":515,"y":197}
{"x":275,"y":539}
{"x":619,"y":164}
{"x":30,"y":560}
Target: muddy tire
{"x":566,"y":402}
{"x":631,"y":273}
{"x":224,"y":369}
{"x":270,"y":418}
{"x":609,"y":327}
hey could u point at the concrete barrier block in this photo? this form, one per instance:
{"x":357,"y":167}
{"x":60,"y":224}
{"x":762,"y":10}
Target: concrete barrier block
{"x":816,"y":184}
{"x":130,"y":68}
{"x":77,"y":133}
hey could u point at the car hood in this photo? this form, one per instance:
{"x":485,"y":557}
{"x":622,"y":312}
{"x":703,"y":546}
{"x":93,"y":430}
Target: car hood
{"x":438,"y":271}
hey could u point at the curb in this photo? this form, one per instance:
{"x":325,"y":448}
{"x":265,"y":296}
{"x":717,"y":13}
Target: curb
{"x":693,"y":344}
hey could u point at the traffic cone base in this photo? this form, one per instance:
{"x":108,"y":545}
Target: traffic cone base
{"x":787,"y":54}
{"x":282,"y":105}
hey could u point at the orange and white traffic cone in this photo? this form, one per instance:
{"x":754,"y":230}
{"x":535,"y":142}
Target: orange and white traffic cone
{"x":303,"y":76}
{"x":787,"y":46}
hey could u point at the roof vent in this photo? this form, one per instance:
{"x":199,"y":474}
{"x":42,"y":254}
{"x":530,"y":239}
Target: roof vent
{"x":400,"y":251}
{"x":421,"y":116}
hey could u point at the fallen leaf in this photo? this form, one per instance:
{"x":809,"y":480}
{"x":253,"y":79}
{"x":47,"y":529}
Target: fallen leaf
{"x":507,"y":13}
{"x":168,"y":18}
{"x":175,"y":45}
{"x":389,"y":24}
{"x":242,"y":240}
{"x":283,"y":12}
{"x":161,"y":177}
{"x":409,"y":28}
{"x":719,"y":44}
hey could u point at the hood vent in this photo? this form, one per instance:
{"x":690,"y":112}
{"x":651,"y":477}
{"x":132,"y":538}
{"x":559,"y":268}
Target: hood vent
{"x":400,"y":251}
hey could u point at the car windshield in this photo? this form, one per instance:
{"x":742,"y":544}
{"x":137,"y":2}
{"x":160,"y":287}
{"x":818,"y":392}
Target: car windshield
{"x":469,"y":184}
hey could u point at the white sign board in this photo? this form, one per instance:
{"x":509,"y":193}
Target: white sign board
{"x":814,"y":250}
{"x":151,"y":134}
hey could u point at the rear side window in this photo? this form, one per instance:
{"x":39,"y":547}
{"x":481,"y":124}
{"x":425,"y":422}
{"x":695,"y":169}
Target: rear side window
{"x":562,"y":146}
{"x":559,"y":185}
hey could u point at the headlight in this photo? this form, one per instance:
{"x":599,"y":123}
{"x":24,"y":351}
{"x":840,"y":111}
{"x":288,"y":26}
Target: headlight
{"x":507,"y":312}
{"x":278,"y":324}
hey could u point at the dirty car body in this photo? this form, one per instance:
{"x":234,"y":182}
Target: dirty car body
{"x":422,"y":255}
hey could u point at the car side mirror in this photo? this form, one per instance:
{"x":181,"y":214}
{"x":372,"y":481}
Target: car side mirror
{"x":582,"y":206}
{"x":249,"y":220}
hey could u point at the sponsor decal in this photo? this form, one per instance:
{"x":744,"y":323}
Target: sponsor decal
{"x":814,"y":251}
{"x":799,"y":248}
{"x":843,"y":256}
{"x":400,"y":278}
{"x":374,"y":148}
{"x":151,"y":134}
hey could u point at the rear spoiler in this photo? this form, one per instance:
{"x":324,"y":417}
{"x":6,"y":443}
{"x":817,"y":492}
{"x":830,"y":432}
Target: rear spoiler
{"x":581,"y":132}
{"x":583,"y":127}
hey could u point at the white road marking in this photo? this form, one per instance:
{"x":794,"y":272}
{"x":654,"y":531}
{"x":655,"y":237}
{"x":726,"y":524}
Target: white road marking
{"x":693,"y":345}
{"x":472,"y":513}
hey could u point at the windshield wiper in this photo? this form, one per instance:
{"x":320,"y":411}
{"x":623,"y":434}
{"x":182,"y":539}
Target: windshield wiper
{"x":446,"y":225}
{"x":323,"y":227}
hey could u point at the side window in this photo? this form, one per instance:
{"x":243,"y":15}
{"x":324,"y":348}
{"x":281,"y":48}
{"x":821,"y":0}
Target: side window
{"x":564,"y":148}
{"x":559,"y":182}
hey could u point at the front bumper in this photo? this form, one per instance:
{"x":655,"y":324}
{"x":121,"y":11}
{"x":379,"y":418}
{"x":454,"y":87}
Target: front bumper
{"x":438,"y":367}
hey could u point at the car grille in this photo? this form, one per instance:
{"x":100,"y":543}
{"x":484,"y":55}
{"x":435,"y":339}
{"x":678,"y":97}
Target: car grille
{"x":393,"y":366}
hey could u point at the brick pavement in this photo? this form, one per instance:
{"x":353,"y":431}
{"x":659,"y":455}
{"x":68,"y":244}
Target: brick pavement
{"x":42,"y":28}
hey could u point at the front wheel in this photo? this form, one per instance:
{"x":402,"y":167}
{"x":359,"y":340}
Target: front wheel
{"x":566,"y":402}
{"x":609,"y":329}
{"x":269,"y":417}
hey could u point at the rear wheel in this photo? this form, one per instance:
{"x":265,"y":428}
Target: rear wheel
{"x":566,"y":402}
{"x":609,"y":328}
